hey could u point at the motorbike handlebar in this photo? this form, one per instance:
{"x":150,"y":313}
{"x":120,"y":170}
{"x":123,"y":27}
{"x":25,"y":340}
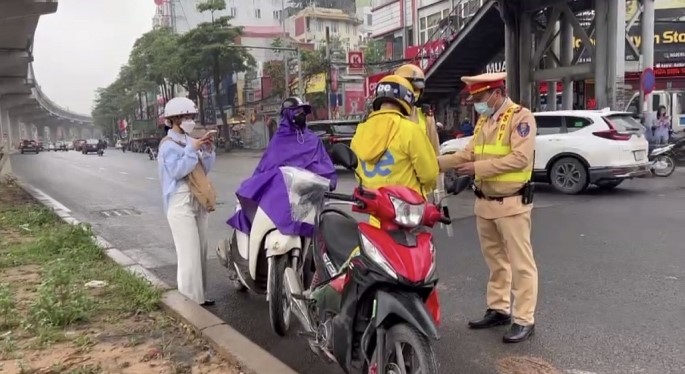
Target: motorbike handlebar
{"x":340,"y":196}
{"x":445,"y":220}
{"x":346,"y":198}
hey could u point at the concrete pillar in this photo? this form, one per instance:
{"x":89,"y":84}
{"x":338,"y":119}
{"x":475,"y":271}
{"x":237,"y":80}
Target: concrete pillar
{"x":566,"y":57}
{"x":552,"y":85}
{"x":601,"y":53}
{"x":511,"y":60}
{"x":525,"y":41}
{"x":616,"y":32}
{"x":4,"y":125}
{"x":647,"y":25}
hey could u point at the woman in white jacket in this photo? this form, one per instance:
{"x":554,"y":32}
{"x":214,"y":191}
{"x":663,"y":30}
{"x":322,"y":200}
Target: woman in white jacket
{"x":179,"y":154}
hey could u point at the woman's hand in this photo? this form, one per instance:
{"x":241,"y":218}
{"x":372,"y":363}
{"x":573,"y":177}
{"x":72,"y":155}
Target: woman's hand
{"x":197,"y":143}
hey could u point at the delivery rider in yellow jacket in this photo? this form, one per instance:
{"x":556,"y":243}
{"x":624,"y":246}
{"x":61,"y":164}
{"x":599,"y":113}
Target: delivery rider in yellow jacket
{"x":417,"y":78}
{"x":501,"y":155}
{"x":391,"y":149}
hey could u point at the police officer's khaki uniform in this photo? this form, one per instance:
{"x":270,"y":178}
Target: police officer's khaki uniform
{"x":428,"y":122}
{"x":502,"y":168}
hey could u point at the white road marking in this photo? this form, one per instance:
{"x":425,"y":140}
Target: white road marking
{"x":150,"y":178}
{"x":126,"y":212}
{"x":576,"y":371}
{"x":105,"y":214}
{"x":54,"y":203}
{"x":123,"y":172}
{"x":102,"y":169}
{"x":116,"y":213}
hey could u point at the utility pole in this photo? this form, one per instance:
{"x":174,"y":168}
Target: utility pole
{"x":329,"y":72}
{"x":286,"y":72}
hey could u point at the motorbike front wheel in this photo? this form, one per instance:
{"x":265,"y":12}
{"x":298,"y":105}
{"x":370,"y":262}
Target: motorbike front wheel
{"x":664,"y":166}
{"x":279,"y":304}
{"x":406,"y":346}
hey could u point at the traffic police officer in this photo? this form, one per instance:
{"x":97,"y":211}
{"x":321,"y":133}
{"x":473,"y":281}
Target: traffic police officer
{"x":500,"y":155}
{"x":417,"y":78}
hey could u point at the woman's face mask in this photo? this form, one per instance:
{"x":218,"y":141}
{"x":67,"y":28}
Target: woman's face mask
{"x":187,"y":125}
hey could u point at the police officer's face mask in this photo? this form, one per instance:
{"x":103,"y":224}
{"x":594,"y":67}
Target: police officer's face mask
{"x":484,"y":107}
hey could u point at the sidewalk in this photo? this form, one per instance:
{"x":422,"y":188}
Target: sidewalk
{"x":65,"y":307}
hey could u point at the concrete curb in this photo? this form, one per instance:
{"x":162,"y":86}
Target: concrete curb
{"x":227,"y":341}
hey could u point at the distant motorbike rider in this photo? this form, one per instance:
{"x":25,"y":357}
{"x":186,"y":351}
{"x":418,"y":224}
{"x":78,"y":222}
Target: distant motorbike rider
{"x":417,"y":78}
{"x":391,"y":149}
{"x":294,"y":145}
{"x":101,"y":145}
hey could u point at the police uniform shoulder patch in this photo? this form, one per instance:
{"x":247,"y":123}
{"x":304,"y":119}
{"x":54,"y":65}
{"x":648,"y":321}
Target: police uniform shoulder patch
{"x":523,"y":129}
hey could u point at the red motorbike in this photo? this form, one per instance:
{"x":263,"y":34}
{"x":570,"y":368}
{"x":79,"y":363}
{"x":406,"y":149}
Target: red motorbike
{"x":373,"y":306}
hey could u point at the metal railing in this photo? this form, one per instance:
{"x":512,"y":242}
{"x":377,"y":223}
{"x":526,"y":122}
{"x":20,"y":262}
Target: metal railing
{"x":447,"y":30}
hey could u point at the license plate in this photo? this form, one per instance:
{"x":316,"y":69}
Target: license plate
{"x":639,"y":155}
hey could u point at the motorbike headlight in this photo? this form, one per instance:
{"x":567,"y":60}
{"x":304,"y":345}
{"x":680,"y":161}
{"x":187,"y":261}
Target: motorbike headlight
{"x":407,"y":215}
{"x":373,"y":253}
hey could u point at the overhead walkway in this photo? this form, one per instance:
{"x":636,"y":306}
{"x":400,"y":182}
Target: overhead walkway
{"x":25,"y":111}
{"x":476,"y":31}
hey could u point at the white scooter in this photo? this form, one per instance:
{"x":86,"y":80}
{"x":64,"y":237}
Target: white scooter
{"x":258,"y":261}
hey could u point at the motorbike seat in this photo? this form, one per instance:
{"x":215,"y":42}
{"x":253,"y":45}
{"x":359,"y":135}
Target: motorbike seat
{"x":340,"y":235}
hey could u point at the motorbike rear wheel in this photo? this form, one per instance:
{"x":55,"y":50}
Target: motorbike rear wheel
{"x":279,"y":303}
{"x":403,"y":339}
{"x":664,"y":166}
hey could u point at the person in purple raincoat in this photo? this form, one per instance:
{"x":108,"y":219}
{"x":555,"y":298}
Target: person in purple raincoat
{"x":292,"y":145}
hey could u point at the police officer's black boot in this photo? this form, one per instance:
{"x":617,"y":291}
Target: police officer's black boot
{"x":492,"y":318}
{"x":518,"y":333}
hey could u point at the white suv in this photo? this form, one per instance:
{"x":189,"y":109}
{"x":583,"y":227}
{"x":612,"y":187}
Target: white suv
{"x":576,"y":148}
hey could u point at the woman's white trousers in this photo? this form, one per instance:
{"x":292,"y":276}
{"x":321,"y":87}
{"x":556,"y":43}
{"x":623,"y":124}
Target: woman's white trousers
{"x":188,"y":222}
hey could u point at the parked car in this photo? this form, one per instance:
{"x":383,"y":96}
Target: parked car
{"x":334,"y":131}
{"x":90,"y":146}
{"x":51,"y":147}
{"x":29,"y":146}
{"x":576,"y":148}
{"x":78,"y":144}
{"x":61,"y":146}
{"x":39,"y":145}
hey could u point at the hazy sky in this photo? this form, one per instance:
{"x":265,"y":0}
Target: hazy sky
{"x":83,"y":45}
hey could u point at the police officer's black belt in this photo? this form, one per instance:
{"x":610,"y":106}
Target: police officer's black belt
{"x":479,"y":194}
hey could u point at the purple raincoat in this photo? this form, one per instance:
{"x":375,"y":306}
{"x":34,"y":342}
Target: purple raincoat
{"x":290,"y":146}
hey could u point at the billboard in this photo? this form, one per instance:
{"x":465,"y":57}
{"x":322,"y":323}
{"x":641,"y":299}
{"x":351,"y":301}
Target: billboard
{"x":372,"y":81}
{"x":354,"y":99}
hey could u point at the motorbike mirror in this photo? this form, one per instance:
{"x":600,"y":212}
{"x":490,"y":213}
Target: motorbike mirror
{"x":459,"y":184}
{"x":343,"y":155}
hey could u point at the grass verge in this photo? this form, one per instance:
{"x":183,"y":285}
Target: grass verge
{"x":66,"y":308}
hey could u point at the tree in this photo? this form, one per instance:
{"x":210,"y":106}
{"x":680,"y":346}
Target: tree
{"x":374,"y":51}
{"x":209,"y":54}
{"x":155,"y":61}
{"x":116,"y":101}
{"x":313,"y":64}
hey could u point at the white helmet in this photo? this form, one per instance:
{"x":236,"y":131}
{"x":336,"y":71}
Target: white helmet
{"x":179,"y":106}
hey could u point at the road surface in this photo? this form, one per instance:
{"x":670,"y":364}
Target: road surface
{"x":612,"y":267}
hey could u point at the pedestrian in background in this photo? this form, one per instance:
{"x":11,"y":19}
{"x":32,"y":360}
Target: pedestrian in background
{"x":180,"y":158}
{"x":500,"y":155}
{"x":661,"y":128}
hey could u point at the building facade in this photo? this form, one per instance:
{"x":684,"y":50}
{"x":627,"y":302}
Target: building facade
{"x":309,"y":26}
{"x":403,"y":24}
